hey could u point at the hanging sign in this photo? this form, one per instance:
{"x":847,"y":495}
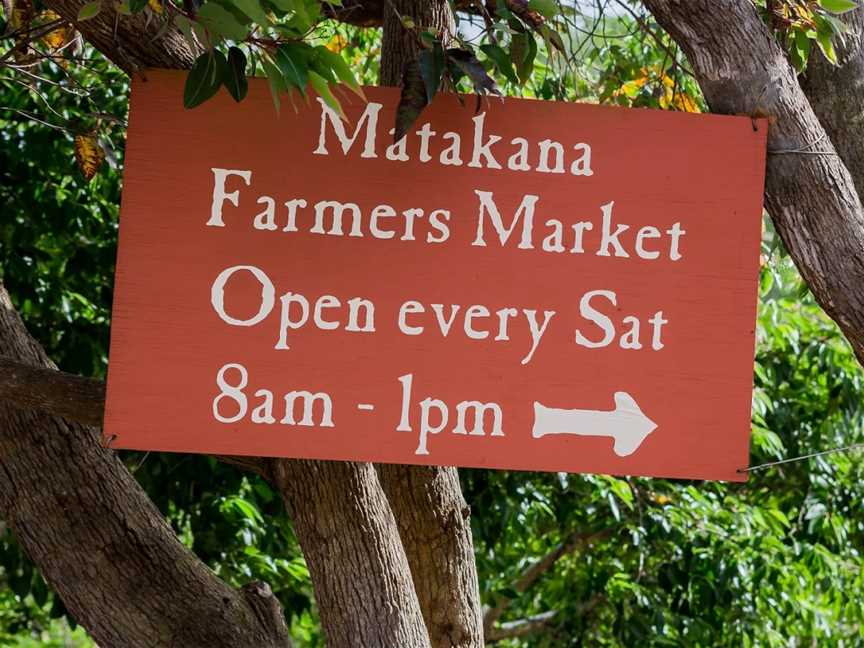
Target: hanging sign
{"x":537,"y":286}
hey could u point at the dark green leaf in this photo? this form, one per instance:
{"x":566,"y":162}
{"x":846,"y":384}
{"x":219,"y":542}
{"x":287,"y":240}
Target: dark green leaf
{"x":276,"y":80}
{"x":222,"y":22}
{"x":293,"y":62}
{"x":501,"y":60}
{"x":432,"y":65}
{"x":253,"y":9}
{"x":235,"y":77}
{"x":204,"y":78}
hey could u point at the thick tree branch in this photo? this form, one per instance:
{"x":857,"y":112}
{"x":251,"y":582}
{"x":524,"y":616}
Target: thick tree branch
{"x":539,"y":622}
{"x":836,"y":93}
{"x":132,"y":42}
{"x":74,"y":398}
{"x":809,"y":192}
{"x":572,"y":543}
{"x":99,"y":541}
{"x":522,"y":627}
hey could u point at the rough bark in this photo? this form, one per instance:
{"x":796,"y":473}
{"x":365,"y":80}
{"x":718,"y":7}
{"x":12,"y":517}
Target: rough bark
{"x":346,"y":529}
{"x":836,"y":93}
{"x":427,"y":501}
{"x":400,"y":45}
{"x":72,"y":397}
{"x":523,"y":627}
{"x":102,"y":545}
{"x":132,"y":42}
{"x":809,"y":192}
{"x":435,"y":529}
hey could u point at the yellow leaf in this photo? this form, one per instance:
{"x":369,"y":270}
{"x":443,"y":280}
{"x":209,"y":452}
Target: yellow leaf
{"x":155,"y":5}
{"x":337,"y":43}
{"x":56,"y":38}
{"x":88,"y":154}
{"x":632,"y":88}
{"x":685,"y":103}
{"x":666,"y":98}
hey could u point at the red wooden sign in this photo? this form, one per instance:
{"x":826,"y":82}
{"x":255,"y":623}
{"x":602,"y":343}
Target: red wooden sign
{"x":540,"y":286}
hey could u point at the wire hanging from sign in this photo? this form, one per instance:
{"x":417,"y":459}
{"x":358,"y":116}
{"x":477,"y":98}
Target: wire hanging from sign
{"x":849,"y":448}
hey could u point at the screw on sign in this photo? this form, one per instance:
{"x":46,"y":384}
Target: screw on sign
{"x":542,"y":286}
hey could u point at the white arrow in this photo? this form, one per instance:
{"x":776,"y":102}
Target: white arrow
{"x":626,"y":423}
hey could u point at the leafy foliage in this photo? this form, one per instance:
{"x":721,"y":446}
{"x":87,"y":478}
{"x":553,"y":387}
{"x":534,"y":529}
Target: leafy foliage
{"x":803,"y":23}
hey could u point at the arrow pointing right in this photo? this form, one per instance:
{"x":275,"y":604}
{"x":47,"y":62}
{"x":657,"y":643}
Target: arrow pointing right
{"x":626,"y":424}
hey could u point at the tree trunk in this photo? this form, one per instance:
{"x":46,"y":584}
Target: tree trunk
{"x":836,"y":93}
{"x":433,"y":517}
{"x":809,"y":192}
{"x":102,"y":545}
{"x":345,"y":526}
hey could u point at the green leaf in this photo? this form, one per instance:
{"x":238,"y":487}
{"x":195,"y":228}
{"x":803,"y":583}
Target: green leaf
{"x":552,"y":38}
{"x":333,"y":67}
{"x":838,"y":6}
{"x":322,"y":87}
{"x":204,"y":78}
{"x":220,"y":21}
{"x":254,"y":10}
{"x":523,"y":51}
{"x":432,"y":66}
{"x":235,"y":78}
{"x":823,"y":37}
{"x":501,"y":60}
{"x":802,"y":49}
{"x":293,"y":61}
{"x":547,"y":8}
{"x":836,"y":24}
{"x":137,"y":6}
{"x":276,"y":80}
{"x":306,"y":14}
{"x":89,"y":10}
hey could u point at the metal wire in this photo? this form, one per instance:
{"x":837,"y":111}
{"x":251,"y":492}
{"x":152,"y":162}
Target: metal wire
{"x":854,"y":446}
